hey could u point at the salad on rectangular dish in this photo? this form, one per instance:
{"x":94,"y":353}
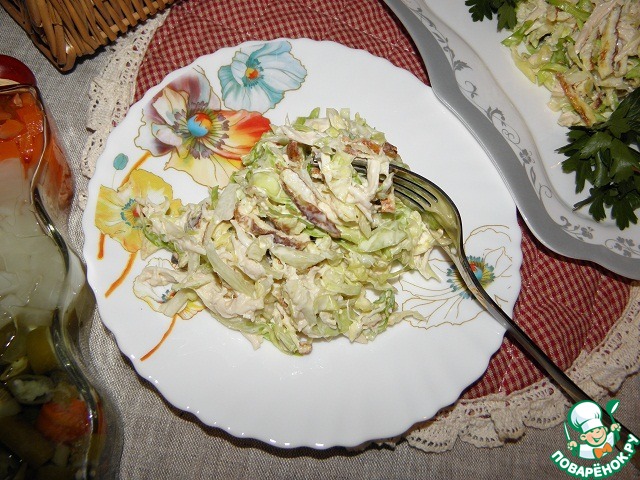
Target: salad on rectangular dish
{"x":572,"y":169}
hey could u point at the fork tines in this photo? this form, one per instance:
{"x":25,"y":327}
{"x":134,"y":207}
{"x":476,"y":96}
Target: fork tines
{"x":409,"y":185}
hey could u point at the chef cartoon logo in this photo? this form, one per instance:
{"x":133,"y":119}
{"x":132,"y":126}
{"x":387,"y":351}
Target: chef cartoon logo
{"x":588,"y":438}
{"x":595,"y":440}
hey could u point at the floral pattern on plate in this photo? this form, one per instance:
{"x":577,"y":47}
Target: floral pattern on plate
{"x":186,"y":119}
{"x":259,"y":76}
{"x":162,"y":349}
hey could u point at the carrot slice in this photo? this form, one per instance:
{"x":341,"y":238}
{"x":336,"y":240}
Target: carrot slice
{"x":32,"y":117}
{"x":63,"y":422}
{"x":8,"y":149}
{"x":25,"y":145}
{"x":10,"y":128}
{"x":27,"y":99}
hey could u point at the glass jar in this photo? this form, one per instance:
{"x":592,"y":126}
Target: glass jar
{"x":54,"y":420}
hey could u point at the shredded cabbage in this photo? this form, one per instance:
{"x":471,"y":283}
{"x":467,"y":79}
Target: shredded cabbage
{"x":299,"y":246}
{"x":585,"y":52}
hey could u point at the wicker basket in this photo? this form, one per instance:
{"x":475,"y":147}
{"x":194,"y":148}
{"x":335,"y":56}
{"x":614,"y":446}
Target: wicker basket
{"x":65,"y":30}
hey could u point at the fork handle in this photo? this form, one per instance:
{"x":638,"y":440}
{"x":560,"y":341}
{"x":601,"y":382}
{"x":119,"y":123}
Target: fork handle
{"x":518,"y":335}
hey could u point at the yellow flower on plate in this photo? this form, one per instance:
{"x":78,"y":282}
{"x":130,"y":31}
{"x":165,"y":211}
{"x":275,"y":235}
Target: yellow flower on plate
{"x":117,"y":211}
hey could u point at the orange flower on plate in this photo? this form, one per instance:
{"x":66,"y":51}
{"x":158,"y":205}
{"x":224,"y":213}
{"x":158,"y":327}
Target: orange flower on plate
{"x":185,"y":121}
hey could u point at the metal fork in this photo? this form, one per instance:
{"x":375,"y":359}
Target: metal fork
{"x":441,"y":214}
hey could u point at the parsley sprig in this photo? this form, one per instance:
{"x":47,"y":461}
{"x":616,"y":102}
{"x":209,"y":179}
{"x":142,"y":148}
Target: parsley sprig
{"x":504,"y":9}
{"x":604,"y":156}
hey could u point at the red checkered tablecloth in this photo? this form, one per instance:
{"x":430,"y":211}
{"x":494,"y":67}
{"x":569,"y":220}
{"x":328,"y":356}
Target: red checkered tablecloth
{"x":566,"y":306}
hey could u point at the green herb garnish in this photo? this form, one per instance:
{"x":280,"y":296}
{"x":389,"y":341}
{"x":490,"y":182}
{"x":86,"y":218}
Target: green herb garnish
{"x":505,"y":10}
{"x":603,"y":156}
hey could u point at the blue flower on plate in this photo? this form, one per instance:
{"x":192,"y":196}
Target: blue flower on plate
{"x":482,"y":270}
{"x":259,"y":76}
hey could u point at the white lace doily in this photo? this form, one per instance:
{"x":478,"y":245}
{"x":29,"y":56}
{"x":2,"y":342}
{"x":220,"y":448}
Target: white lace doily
{"x":489,"y":421}
{"x":492,"y":420}
{"x":112,"y":91}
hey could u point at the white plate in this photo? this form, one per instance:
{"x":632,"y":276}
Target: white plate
{"x":341,"y":394}
{"x":484,"y":73}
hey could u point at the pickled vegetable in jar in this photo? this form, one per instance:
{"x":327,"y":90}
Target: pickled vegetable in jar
{"x":53,"y":422}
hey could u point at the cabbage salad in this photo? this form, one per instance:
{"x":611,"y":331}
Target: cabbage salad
{"x":586,"y":52}
{"x":299,"y":246}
